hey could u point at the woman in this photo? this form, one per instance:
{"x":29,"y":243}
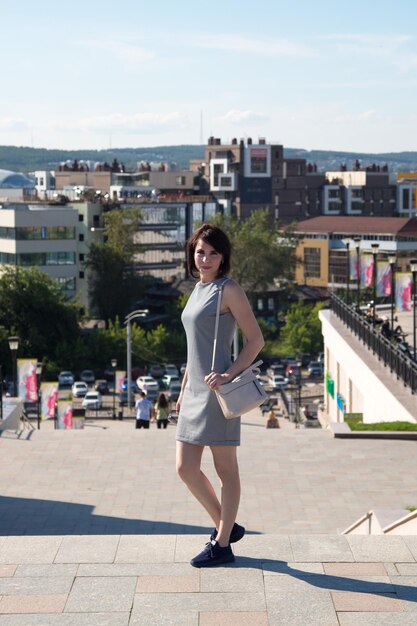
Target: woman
{"x":201,"y":422}
{"x":162,"y":411}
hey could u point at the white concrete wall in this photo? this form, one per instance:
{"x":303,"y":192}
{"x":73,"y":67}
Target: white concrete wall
{"x":356,"y":380}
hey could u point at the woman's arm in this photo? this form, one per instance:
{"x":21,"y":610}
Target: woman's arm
{"x":234,"y":300}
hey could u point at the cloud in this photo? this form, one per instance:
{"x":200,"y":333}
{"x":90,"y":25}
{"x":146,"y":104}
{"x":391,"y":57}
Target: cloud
{"x":13,"y":124}
{"x":362,"y":116}
{"x":131,"y":54}
{"x":143,"y":123}
{"x":237,"y":43}
{"x":234,"y":116}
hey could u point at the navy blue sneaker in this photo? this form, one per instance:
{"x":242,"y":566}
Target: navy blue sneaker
{"x":213,"y":555}
{"x":236,"y":534}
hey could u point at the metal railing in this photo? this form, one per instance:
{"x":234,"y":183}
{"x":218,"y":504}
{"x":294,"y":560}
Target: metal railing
{"x":390,"y":353}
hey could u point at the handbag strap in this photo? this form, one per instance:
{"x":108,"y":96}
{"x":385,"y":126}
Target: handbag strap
{"x":216,"y":325}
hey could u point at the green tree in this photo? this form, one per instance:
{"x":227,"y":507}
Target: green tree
{"x":33,"y":307}
{"x":260,"y":253}
{"x":302,"y":330}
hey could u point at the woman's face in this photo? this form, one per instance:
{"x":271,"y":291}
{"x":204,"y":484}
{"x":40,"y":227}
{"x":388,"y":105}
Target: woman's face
{"x":207,"y":261}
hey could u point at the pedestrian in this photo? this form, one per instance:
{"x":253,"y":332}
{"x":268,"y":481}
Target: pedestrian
{"x":201,"y":421}
{"x":144,"y":411}
{"x":162,"y":411}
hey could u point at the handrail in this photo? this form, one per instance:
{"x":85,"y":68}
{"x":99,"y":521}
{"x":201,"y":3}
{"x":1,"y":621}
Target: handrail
{"x":391,"y":355}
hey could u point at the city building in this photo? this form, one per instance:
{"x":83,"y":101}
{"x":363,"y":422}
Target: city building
{"x":322,"y":245}
{"x":15,"y":186}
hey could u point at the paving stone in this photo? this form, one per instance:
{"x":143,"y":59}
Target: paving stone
{"x":134,"y":569}
{"x":406,"y":569}
{"x":300,"y":608}
{"x":355,"y":569}
{"x":406,"y":589}
{"x":278,"y":567}
{"x":376,"y":548}
{"x":376,"y":619}
{"x":33,"y":603}
{"x":391,"y":569}
{"x":168,"y":584}
{"x":37,"y":586}
{"x":29,"y":549}
{"x":233,"y":619}
{"x":224,"y":580}
{"x":33,"y":570}
{"x":275,"y":548}
{"x":87,"y":549}
{"x":146,"y":549}
{"x":352,"y":601}
{"x":320,"y":548}
{"x":7,"y":570}
{"x":148,"y":617}
{"x":411,"y":541}
{"x":101,"y":594}
{"x":66,"y":619}
{"x":199,"y":602}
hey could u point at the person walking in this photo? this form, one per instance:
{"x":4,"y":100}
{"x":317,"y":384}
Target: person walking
{"x":201,"y":421}
{"x":144,"y":411}
{"x":162,"y":411}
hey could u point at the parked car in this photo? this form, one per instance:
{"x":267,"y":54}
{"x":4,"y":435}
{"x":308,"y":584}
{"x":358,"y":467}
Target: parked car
{"x":79,"y":389}
{"x":146,"y":383}
{"x":156,"y":370}
{"x":173,"y":391}
{"x":102,"y":386}
{"x":133,"y":385}
{"x":315,"y":369}
{"x":88,"y":377}
{"x":171,"y":369}
{"x":183,"y":368}
{"x":275,"y":368}
{"x":320,"y":357}
{"x":167,"y":379}
{"x":303,"y":359}
{"x":277,"y":382}
{"x":66,"y":378}
{"x":92,"y":400}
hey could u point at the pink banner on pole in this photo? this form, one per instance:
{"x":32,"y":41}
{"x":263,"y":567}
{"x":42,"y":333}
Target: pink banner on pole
{"x":383,"y":278}
{"x":403,"y":291}
{"x":120,"y":376}
{"x":49,"y":398}
{"x":27,"y":381}
{"x":367,"y":270}
{"x":64,"y":414}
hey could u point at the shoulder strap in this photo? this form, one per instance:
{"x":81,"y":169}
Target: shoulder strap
{"x":216,"y":325}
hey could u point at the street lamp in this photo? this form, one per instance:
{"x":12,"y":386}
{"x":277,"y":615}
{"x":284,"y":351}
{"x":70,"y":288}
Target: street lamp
{"x":374,"y":247}
{"x":391,"y":261}
{"x":38,"y":387}
{"x":357,"y":241}
{"x":114,"y":365}
{"x":128,"y":321}
{"x":413,"y":267}
{"x":347,"y":244}
{"x":14,"y":346}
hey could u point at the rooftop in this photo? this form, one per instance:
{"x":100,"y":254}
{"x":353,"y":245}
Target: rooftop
{"x":359,"y":225}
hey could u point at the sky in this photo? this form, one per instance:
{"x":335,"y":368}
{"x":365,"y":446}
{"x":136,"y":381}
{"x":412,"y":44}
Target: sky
{"x":306,"y":74}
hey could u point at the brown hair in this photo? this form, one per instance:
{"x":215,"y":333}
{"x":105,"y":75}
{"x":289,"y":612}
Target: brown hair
{"x":215,"y":237}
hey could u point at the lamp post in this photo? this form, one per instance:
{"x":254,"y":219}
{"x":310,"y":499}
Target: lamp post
{"x":38,"y":388}
{"x":114,"y":365}
{"x":413,"y":267}
{"x":374,"y":247}
{"x":357,"y":241}
{"x":14,"y":346}
{"x":391,"y":261}
{"x":128,"y":321}
{"x":347,"y":244}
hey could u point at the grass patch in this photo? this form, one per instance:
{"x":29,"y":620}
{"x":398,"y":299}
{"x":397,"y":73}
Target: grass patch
{"x":356,"y":423}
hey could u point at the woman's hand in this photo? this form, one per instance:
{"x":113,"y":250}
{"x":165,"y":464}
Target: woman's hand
{"x":214,"y":380}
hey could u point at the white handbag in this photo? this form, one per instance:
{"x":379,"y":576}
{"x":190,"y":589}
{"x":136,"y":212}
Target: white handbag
{"x":244,"y":392}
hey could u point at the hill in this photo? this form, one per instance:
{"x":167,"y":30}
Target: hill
{"x":25,"y":159}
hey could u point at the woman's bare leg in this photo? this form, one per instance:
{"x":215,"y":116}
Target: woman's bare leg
{"x":225,"y":462}
{"x":189,"y":470}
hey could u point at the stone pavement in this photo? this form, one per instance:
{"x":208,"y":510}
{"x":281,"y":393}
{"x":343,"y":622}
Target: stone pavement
{"x":96,"y":529}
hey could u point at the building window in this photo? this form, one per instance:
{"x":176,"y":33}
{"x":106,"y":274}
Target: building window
{"x":260,"y":304}
{"x":81,"y":257}
{"x":81,"y":237}
{"x":80,"y":274}
{"x":180,"y":180}
{"x":258,"y":161}
{"x":225,"y":181}
{"x":312,"y":262}
{"x":80,"y":217}
{"x":270,"y":304}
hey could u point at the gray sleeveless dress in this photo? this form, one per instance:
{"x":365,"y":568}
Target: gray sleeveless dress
{"x":201,"y":420}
